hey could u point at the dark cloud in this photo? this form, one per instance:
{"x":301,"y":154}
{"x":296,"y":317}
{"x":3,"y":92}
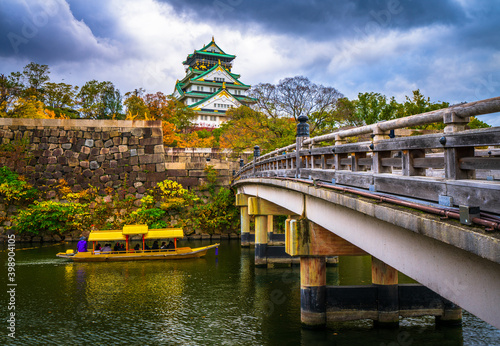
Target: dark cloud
{"x":323,"y":19}
{"x":44,"y":31}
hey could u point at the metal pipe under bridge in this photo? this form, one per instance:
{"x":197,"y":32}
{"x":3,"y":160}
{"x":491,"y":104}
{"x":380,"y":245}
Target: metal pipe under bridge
{"x":425,"y":205}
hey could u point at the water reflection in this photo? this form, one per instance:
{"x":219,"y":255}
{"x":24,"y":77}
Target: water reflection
{"x":193,"y":302}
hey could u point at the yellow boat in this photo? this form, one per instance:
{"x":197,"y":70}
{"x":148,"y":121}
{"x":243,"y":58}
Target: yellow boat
{"x":136,"y":255}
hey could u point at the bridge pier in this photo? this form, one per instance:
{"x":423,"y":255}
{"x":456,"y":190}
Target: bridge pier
{"x":247,"y":238}
{"x":261,"y":240}
{"x":385,"y":278}
{"x":313,"y":291}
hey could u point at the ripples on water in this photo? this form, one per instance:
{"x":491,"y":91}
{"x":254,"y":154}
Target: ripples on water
{"x":208,"y":301}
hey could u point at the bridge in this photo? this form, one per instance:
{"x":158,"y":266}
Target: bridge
{"x":426,"y":205}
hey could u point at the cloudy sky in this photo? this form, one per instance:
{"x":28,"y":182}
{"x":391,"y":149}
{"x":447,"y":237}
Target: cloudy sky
{"x":449,"y":49}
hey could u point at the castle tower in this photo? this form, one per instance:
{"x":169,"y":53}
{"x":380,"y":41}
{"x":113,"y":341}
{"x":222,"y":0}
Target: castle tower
{"x":209,"y":87}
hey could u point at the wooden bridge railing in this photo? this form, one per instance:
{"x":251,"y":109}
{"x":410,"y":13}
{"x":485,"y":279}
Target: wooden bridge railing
{"x":455,"y":167}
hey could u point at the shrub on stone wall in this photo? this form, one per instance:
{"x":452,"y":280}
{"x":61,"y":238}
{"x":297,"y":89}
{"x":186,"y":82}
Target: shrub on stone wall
{"x":14,"y":189}
{"x":52,"y":217}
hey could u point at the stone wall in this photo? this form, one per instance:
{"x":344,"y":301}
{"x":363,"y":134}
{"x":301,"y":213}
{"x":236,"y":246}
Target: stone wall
{"x":101,"y":153}
{"x":187,"y":165}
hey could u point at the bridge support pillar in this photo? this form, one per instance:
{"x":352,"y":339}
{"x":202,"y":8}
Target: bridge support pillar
{"x":313,"y":292}
{"x":385,"y":278}
{"x":270,"y":227}
{"x":246,"y":237}
{"x":261,"y":240}
{"x":245,"y":227}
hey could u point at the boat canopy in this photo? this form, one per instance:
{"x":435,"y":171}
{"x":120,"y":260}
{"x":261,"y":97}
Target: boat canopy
{"x":164,"y":233}
{"x":106,"y":235}
{"x":114,"y":235}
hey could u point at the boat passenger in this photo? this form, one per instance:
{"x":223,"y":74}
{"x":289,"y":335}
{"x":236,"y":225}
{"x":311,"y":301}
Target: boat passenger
{"x":137,"y":247}
{"x":98,"y":249}
{"x":106,"y":248}
{"x":155,"y":245}
{"x":82,"y":245}
{"x":122,"y":247}
{"x":116,"y":247}
{"x":163,"y":246}
{"x":171,"y":245}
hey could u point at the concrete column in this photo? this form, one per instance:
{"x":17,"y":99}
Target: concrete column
{"x":261,"y":240}
{"x":385,"y":278}
{"x":313,"y":292}
{"x":270,"y":227}
{"x":245,"y":227}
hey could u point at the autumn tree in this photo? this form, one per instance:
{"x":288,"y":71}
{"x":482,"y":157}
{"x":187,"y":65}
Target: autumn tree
{"x":135,"y":105}
{"x":248,"y":127}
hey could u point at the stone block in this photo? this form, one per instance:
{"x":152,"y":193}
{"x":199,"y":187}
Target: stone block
{"x":96,"y":135}
{"x":113,"y":164}
{"x":188,"y":181}
{"x":99,"y":143}
{"x":114,"y":134}
{"x":93,"y":165}
{"x":84,"y":164}
{"x":149,"y":149}
{"x":151,"y":141}
{"x":89,"y":143}
{"x":87,"y":173}
{"x":197,"y":173}
{"x":66,"y":146}
{"x":62,"y":160}
{"x":72,"y":162}
{"x":177,"y":173}
{"x":133,"y":152}
{"x":159,"y":149}
{"x":175,"y":165}
{"x":195,"y":165}
{"x":134,"y":160}
{"x":122,"y":148}
{"x":113,"y":150}
{"x":146,"y":158}
{"x":160,"y":167}
{"x":85,"y":150}
{"x":137,"y":132}
{"x":117,"y":140}
{"x":156,"y":132}
{"x":108,"y":143}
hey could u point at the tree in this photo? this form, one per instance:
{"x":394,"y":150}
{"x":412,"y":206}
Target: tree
{"x":100,"y":100}
{"x":373,"y":107}
{"x":248,"y":127}
{"x":60,"y":95}
{"x":297,"y":96}
{"x":136,"y":107}
{"x":35,"y":76}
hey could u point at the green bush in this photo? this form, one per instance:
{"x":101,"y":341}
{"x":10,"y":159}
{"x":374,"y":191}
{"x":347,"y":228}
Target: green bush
{"x":217,"y":216}
{"x":53,"y":218}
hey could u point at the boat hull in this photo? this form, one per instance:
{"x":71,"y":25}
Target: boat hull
{"x":180,"y":253}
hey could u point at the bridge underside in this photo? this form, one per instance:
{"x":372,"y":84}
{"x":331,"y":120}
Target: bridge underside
{"x":460,"y":263}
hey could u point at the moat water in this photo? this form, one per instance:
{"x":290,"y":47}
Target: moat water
{"x":221,"y":300}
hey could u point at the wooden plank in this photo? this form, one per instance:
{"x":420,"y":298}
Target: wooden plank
{"x":492,"y":163}
{"x":392,"y":162}
{"x":416,"y":187}
{"x":320,"y":174}
{"x":353,"y":148}
{"x":484,"y":194}
{"x":368,"y":161}
{"x":356,"y":179}
{"x":429,"y":162}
